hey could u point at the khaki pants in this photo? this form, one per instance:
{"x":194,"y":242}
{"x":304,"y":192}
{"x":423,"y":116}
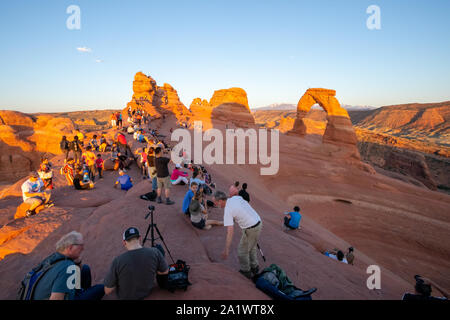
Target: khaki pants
{"x":247,"y":250}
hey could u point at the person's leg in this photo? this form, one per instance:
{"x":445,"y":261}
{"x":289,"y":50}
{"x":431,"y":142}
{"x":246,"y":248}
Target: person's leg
{"x":159,"y":188}
{"x":253,"y":236}
{"x":167,"y":185}
{"x":243,"y":255}
{"x":154,"y":184}
{"x":100,"y":173}
{"x":34,"y":203}
{"x":214,"y":222}
{"x":286,"y":221}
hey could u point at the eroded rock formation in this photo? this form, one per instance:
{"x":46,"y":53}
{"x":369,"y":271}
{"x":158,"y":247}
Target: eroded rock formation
{"x":226,"y":107}
{"x":158,"y":101}
{"x":339,"y":127}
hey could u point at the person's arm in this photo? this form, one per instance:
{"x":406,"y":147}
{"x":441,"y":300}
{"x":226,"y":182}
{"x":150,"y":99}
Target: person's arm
{"x":226,"y":251}
{"x":434,"y":284}
{"x":57,"y":296}
{"x":109,"y":290}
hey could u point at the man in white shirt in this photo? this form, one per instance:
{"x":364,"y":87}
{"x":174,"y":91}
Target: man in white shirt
{"x":239,"y":210}
{"x":32,"y":193}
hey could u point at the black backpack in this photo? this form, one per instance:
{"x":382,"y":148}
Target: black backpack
{"x":178,"y":276}
{"x":28,"y":284}
{"x":150,"y":196}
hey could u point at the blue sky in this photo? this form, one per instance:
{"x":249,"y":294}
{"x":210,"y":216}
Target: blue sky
{"x":274,"y":50}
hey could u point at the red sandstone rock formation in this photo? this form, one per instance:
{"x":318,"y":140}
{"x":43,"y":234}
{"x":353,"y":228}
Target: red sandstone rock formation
{"x":156,"y":100}
{"x":25,"y":138}
{"x":226,"y":107}
{"x":339,"y":127}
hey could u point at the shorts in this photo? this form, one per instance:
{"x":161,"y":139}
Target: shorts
{"x":32,"y":200}
{"x":199,"y":225}
{"x":164,"y":182}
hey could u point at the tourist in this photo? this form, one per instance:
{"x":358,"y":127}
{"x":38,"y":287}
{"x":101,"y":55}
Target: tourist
{"x":80,"y":136}
{"x":64,"y":145}
{"x":54,"y":284}
{"x":178,"y":176}
{"x":89,"y":159}
{"x":79,"y":182}
{"x":234,"y":191}
{"x":143,"y":162}
{"x":162,"y":174}
{"x":99,"y":165}
{"x":77,"y":149}
{"x":336,"y":254}
{"x":126,"y":183}
{"x":113,"y":120}
{"x":423,"y":289}
{"x":94,"y":143}
{"x":199,"y":215}
{"x":349,"y":256}
{"x":243,"y":192}
{"x":132,"y":274}
{"x":46,"y":173}
{"x":239,"y":210}
{"x":119,"y":120}
{"x":152,"y":168}
{"x":68,"y":171}
{"x":188,"y":197}
{"x":103,"y":144}
{"x":33,"y":193}
{"x":292,"y":219}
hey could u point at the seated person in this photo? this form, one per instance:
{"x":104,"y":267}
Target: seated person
{"x":53,"y":285}
{"x":199,"y":215}
{"x":124,"y":180}
{"x":132,"y":274}
{"x":130,"y":130}
{"x":178,"y":176}
{"x":349,"y":256}
{"x":188,"y":197}
{"x":423,"y":288}
{"x":292,"y":219}
{"x":336,"y":255}
{"x":33,"y":193}
{"x":81,"y":180}
{"x":94,"y":143}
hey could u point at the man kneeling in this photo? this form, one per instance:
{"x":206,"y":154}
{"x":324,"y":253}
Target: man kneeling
{"x":133,"y":273}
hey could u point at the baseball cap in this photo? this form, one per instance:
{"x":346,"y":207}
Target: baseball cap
{"x":130,"y":233}
{"x":177,"y":165}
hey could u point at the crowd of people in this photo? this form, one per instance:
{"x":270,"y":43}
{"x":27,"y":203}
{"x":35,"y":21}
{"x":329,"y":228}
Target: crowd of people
{"x":132,"y":274}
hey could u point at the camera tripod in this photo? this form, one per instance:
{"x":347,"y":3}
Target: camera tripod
{"x":151,"y":227}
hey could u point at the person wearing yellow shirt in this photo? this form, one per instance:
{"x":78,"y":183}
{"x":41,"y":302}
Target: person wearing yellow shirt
{"x":89,"y":158}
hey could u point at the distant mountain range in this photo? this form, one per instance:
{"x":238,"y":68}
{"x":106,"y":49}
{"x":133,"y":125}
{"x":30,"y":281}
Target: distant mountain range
{"x":291,"y":106}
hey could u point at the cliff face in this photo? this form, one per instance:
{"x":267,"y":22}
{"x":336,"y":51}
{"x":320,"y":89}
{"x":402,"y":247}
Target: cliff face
{"x":24,"y":139}
{"x":226,"y":107}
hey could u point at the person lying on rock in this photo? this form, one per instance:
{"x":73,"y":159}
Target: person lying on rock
{"x":125,"y":181}
{"x":79,"y":181}
{"x":199,"y":215}
{"x":57,"y":284}
{"x":33,"y":193}
{"x":292,"y":219}
{"x":132,"y":274}
{"x":239,"y":210}
{"x":336,"y":254}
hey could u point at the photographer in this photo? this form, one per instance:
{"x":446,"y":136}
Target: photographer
{"x":132,"y":274}
{"x":423,"y":290}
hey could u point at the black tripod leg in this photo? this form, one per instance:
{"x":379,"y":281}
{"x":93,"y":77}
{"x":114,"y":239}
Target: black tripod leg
{"x":146,"y":234}
{"x":162,"y":239}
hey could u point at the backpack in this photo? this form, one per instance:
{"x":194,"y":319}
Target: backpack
{"x":64,"y":145}
{"x":274,"y":282}
{"x":178,"y":276}
{"x":28,"y":284}
{"x":150,"y":196}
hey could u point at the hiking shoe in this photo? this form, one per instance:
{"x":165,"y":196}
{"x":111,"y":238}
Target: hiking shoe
{"x":168,"y":201}
{"x":49,"y":205}
{"x":30,"y":213}
{"x":159,"y":200}
{"x":255,"y":270}
{"x":247,"y":274}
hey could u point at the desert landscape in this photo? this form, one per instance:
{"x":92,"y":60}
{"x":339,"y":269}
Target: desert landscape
{"x":376,"y":180}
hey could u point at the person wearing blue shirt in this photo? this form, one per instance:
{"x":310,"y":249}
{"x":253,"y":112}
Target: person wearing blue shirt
{"x":292,"y":219}
{"x":188,"y":197}
{"x":124,"y":180}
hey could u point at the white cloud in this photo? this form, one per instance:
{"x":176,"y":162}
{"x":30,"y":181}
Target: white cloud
{"x":99,"y":60}
{"x":84,"y":49}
